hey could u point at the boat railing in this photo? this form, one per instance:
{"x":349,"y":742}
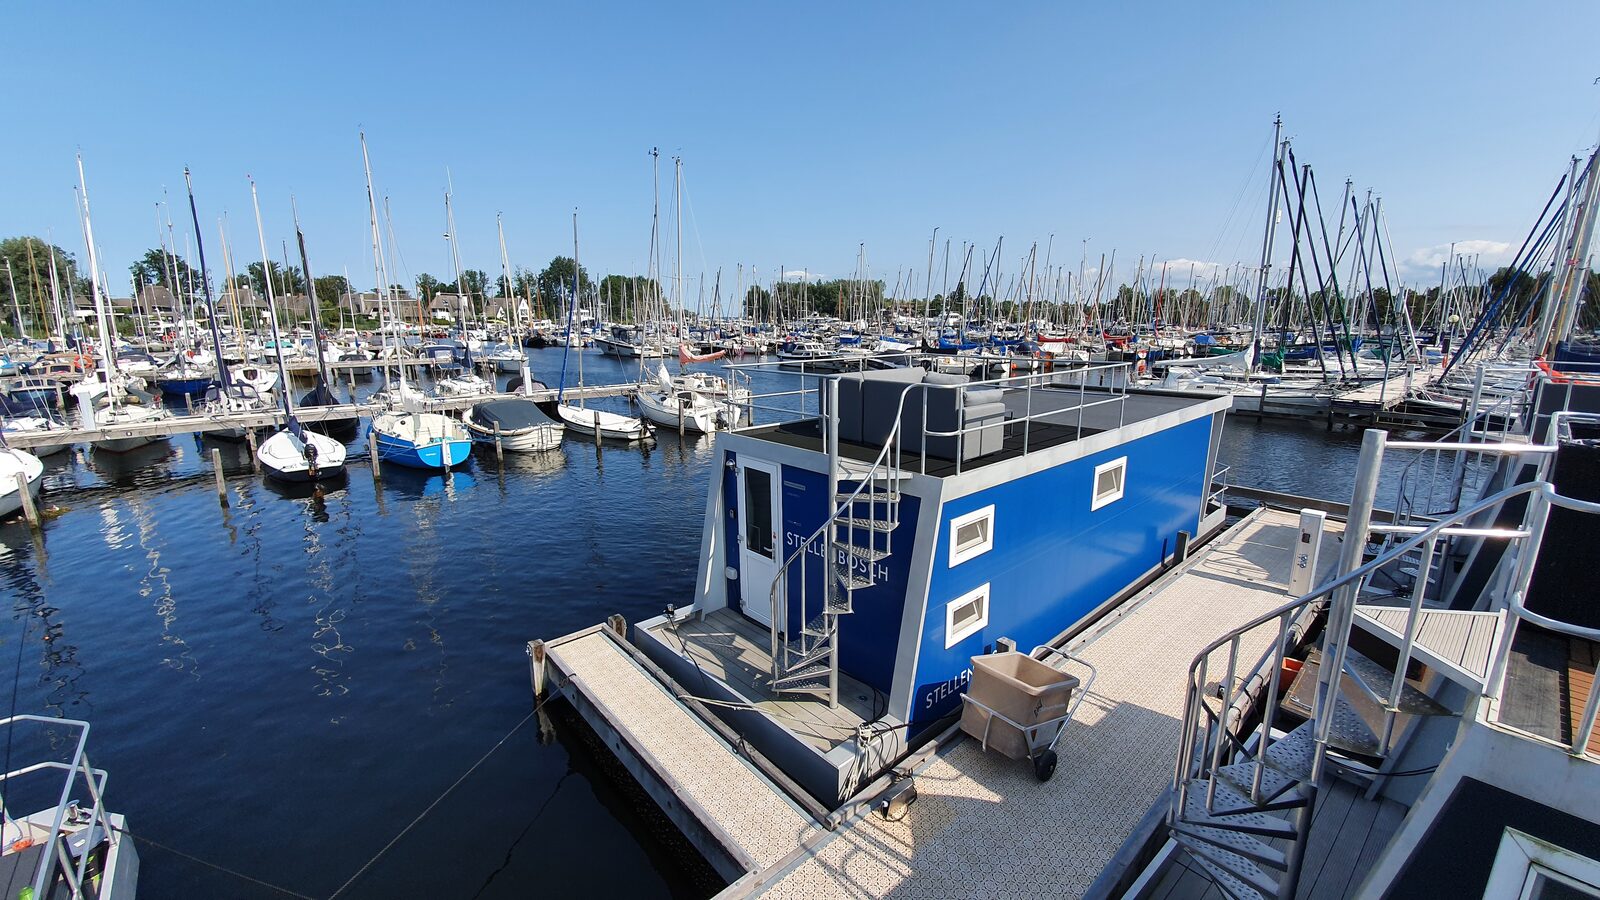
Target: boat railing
{"x":1220,"y":483}
{"x":56,"y":851}
{"x":1095,"y":384}
{"x":1251,"y":658}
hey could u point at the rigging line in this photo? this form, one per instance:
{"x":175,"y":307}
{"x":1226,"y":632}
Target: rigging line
{"x":440,"y":799}
{"x":211,"y":865}
{"x":525,"y":829}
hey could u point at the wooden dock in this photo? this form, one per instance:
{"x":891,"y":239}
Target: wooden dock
{"x":1392,"y":402}
{"x":200,"y":422}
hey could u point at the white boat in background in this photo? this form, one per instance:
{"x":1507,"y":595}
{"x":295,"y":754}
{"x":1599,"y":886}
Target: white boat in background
{"x":506,"y":360}
{"x":262,"y":379}
{"x":12,"y":464}
{"x":517,"y":424}
{"x":609,"y":424}
{"x":34,"y":426}
{"x":671,"y":404}
{"x":464,"y":384}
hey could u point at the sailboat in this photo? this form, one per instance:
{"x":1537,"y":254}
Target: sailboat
{"x":12,"y":464}
{"x":669,"y":404}
{"x":342,"y":428}
{"x":122,"y":407}
{"x":515,"y":424}
{"x":465,"y":382}
{"x":294,"y":453}
{"x":407,"y":434}
{"x":580,"y":418}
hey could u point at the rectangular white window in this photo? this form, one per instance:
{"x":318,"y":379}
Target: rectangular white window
{"x":1109,"y":479}
{"x":1529,"y":868}
{"x":965,"y":616}
{"x":971,"y":535}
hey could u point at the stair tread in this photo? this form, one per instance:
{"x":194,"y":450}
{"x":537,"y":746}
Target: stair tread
{"x":871,"y":554}
{"x":865,"y":522}
{"x":1376,"y":680}
{"x":850,"y":578}
{"x":1355,"y":715}
{"x":1237,"y":843}
{"x":1247,"y":882}
{"x":1231,"y":813}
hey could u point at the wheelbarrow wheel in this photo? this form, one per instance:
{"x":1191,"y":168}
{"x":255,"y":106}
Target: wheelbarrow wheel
{"x":1044,"y":765}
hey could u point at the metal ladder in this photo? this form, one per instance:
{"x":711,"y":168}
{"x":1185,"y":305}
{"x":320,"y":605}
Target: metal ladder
{"x":856,"y":538}
{"x":1244,"y":796}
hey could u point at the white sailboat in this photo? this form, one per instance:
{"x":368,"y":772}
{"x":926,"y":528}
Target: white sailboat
{"x":669,"y":404}
{"x":578,"y":417}
{"x":516,"y":424}
{"x":121,"y":408}
{"x":293,"y":454}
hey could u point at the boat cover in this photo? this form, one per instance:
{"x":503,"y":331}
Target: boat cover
{"x":512,"y":415}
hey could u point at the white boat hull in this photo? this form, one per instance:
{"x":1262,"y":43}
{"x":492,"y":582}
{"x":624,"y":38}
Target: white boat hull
{"x":13,"y":463}
{"x":284,"y":457}
{"x":610,"y":425}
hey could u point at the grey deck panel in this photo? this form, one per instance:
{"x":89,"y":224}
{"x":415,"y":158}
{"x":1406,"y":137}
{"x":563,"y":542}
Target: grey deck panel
{"x":731,"y":648}
{"x":1463,"y":638}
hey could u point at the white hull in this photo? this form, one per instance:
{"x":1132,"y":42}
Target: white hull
{"x":12,"y":463}
{"x":525,"y":440}
{"x":284,"y":456}
{"x":701,"y":415}
{"x":610,"y":425}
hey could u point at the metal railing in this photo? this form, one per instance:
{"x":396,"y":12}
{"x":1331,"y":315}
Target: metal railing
{"x":1214,"y":734}
{"x":56,"y":851}
{"x":1096,"y":384}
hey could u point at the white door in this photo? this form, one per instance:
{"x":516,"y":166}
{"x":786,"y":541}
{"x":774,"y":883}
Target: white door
{"x":760,"y":550}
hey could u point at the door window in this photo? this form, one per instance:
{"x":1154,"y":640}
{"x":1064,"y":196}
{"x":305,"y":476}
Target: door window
{"x":758,"y":512}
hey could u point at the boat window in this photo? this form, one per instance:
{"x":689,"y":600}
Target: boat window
{"x":965,"y":616}
{"x":758,"y":512}
{"x":971,"y":535}
{"x":1108,"y":482}
{"x":1530,"y":868}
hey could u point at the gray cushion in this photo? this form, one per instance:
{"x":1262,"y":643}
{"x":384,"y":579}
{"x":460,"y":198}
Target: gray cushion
{"x":977,"y":396}
{"x":944,"y":378}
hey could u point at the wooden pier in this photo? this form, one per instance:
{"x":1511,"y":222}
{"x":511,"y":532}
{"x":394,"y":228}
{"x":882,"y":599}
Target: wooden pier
{"x":268,"y":418}
{"x":1391,"y":402}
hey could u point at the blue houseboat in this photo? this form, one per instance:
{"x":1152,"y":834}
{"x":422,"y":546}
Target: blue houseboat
{"x":857,"y":552}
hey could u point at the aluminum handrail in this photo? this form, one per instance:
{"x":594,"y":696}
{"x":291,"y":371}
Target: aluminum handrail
{"x":94,"y":781}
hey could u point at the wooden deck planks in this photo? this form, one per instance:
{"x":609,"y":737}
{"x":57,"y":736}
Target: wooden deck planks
{"x":1581,"y":659}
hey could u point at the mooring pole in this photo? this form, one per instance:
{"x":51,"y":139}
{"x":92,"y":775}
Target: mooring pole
{"x":499,"y":449}
{"x":29,"y":511}
{"x":222,"y":483}
{"x":372,"y":453}
{"x":250,"y":438}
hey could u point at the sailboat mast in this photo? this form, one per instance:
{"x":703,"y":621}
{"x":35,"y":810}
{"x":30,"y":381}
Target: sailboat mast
{"x":1266,"y":241}
{"x":205,"y":285}
{"x":311,"y":297}
{"x":381,"y":288}
{"x":272,"y":309}
{"x":106,"y":356}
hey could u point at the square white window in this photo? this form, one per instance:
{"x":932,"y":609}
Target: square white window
{"x":965,"y":616}
{"x":1109,"y":480}
{"x":971,"y":535}
{"x":1529,"y":868}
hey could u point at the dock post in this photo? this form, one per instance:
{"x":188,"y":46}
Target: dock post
{"x":188,"y":402}
{"x":372,"y":453}
{"x":499,"y":449}
{"x":29,"y":511}
{"x":597,"y":434}
{"x":250,"y":438}
{"x":536,"y":668}
{"x":222,"y":483}
{"x":1262,"y":410}
{"x":61,"y":400}
{"x":680,"y":417}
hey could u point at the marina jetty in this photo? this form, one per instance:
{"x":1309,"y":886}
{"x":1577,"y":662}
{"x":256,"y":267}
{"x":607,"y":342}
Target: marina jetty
{"x":1014,"y":636}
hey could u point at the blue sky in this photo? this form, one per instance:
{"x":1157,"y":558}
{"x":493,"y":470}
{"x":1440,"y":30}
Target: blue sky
{"x":806,"y":129}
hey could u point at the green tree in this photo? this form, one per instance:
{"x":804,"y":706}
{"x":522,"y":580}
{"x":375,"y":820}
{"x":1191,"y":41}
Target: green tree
{"x":156,"y":266}
{"x":427,"y":286}
{"x":329,"y":289}
{"x":556,"y":279}
{"x":29,"y":258}
{"x":283,"y":279}
{"x":476,"y":282}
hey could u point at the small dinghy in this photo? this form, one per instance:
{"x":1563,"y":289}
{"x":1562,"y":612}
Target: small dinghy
{"x":298,"y":454}
{"x":12,"y":464}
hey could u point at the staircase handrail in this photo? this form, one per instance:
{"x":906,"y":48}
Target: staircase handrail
{"x":780,"y":579}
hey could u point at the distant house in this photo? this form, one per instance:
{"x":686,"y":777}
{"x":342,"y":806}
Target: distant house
{"x":448,"y":306}
{"x":154,"y":298}
{"x":244,"y":300}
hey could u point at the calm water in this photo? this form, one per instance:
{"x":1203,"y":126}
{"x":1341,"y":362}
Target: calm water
{"x":279,"y":687}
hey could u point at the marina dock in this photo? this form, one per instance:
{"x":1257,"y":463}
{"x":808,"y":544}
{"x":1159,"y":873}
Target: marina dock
{"x":1391,"y":402}
{"x":983,"y":825}
{"x":199,"y":423}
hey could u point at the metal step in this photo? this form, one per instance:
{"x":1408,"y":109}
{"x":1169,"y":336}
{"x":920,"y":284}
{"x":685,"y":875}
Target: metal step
{"x":1375,"y":681}
{"x":865,"y":522}
{"x":1274,"y":784}
{"x":1234,"y":811}
{"x":871,"y":554}
{"x":1354,"y":713}
{"x":1236,"y":876}
{"x":871,"y":495}
{"x":806,"y":679}
{"x":820,"y":626}
{"x":1233,"y":841}
{"x":852,"y":470}
{"x":850,"y":578}
{"x":804,"y":653}
{"x":1294,"y":753}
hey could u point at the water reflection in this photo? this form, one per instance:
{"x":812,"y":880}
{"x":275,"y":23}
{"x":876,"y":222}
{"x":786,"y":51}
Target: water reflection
{"x":59,"y":668}
{"x":140,"y":467}
{"x":156,"y":584}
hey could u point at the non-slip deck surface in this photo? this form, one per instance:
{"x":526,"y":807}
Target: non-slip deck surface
{"x":983,"y":826}
{"x":763,"y":823}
